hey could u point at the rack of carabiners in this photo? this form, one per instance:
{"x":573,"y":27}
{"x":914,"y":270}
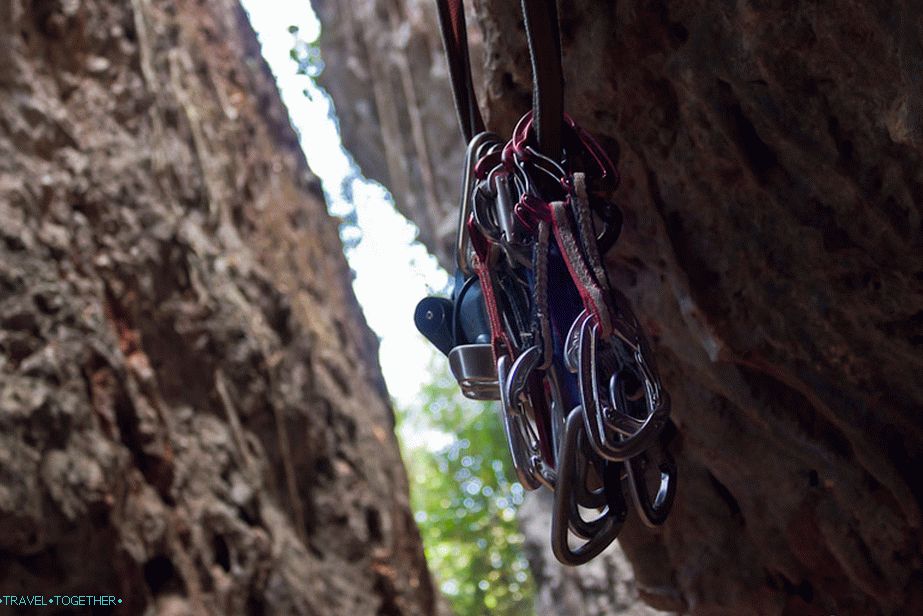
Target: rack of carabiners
{"x":533,"y":320}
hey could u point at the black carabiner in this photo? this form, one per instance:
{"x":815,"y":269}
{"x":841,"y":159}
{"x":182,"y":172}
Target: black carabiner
{"x":603,"y":530}
{"x":654,"y":511}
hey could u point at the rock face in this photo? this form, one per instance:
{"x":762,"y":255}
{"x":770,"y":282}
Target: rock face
{"x":386,"y":74}
{"x":772,"y":162}
{"x":191,"y":415}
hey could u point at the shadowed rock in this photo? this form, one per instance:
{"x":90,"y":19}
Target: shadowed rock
{"x":191,"y":415}
{"x":772,"y":163}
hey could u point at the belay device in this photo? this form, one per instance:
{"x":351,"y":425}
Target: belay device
{"x":534,"y":322}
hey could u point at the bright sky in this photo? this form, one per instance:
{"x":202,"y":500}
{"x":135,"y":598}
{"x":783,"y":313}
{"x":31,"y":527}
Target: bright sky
{"x":392,"y":271}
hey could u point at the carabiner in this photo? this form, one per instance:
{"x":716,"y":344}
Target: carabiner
{"x":653,"y":511}
{"x":513,"y":427}
{"x":626,"y":443}
{"x":604,"y":529}
{"x":461,"y":241}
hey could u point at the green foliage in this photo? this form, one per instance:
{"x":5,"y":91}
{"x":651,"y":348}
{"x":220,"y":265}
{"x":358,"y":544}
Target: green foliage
{"x":465,"y":496}
{"x":307,"y":54}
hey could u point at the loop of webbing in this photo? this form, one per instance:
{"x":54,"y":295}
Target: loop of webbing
{"x":455,"y":39}
{"x":592,"y":292}
{"x":543,"y":34}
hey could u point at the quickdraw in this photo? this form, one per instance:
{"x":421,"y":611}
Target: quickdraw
{"x":535,"y":323}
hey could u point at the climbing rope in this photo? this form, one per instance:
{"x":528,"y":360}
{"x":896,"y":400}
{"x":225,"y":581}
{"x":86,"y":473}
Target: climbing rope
{"x":534,"y":321}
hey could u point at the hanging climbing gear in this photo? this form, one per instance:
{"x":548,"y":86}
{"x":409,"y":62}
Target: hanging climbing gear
{"x":533,"y":320}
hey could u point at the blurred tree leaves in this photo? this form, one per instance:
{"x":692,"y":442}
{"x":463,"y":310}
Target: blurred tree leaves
{"x":307,"y":54}
{"x":465,"y":496}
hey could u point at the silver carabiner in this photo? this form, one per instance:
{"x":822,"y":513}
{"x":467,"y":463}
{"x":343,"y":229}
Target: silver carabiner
{"x":520,"y":451}
{"x":520,"y":372}
{"x":630,"y":440}
{"x":510,"y":229}
{"x":572,"y":342}
{"x":519,"y":415}
{"x":471,"y":154}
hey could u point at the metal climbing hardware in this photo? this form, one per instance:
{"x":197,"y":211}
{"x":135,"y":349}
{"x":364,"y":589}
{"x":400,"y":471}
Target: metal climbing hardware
{"x":534,"y":321}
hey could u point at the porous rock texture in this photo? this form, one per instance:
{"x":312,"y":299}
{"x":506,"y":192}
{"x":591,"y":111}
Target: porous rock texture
{"x":191,"y":414}
{"x":772,"y":164}
{"x":386,"y":74}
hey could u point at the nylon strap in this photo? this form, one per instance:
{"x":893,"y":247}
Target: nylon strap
{"x":541,"y":19}
{"x":584,"y":221}
{"x":455,"y":40}
{"x":499,"y":341}
{"x":542,"y":31}
{"x":541,"y":324}
{"x":579,"y":257}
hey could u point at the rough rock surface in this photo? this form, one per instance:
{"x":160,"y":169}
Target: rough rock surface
{"x":772,"y":162}
{"x":191,"y":415}
{"x":385,"y":71}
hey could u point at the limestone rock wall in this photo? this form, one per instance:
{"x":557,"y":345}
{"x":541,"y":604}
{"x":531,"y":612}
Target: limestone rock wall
{"x":772,"y":163}
{"x":191,"y":414}
{"x":385,"y":71}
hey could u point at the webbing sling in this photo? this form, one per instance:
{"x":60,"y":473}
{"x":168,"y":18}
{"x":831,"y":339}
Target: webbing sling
{"x":542,"y":33}
{"x":455,"y":39}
